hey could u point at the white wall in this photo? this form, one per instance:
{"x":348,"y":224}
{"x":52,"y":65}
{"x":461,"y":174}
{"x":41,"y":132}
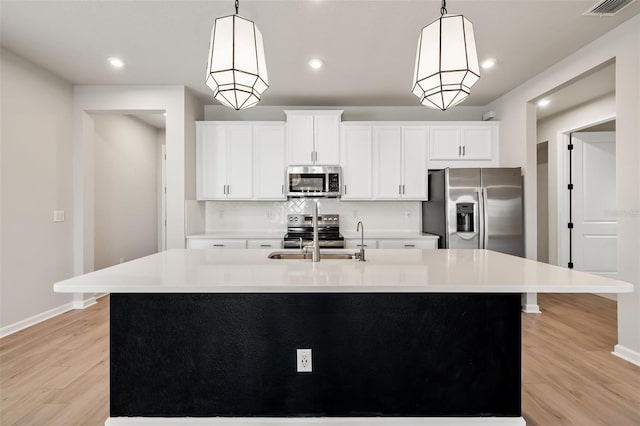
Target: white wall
{"x":543,"y":201}
{"x":272,"y":216}
{"x":126,"y":189}
{"x":417,"y":113}
{"x":518,"y":140}
{"x":552,"y":130}
{"x":36,"y":178}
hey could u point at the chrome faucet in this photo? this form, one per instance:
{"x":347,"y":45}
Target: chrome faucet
{"x":315,"y":257}
{"x":360,"y":228}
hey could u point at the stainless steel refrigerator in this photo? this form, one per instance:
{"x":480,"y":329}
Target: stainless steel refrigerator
{"x":476,"y":208}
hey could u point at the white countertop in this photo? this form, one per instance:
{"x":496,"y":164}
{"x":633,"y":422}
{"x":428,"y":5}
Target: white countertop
{"x":385,"y":271}
{"x":278,"y":235}
{"x":383,"y":235}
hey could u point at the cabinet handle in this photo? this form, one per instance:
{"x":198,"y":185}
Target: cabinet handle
{"x":224,"y":189}
{"x":459,"y":151}
{"x":362,"y":245}
{"x":228,"y":189}
{"x":218,"y":245}
{"x":282,"y":189}
{"x":409,"y":245}
{"x":345,"y":190}
{"x":265,"y":245}
{"x":400,"y":189}
{"x":403,"y":189}
{"x":464,"y":148}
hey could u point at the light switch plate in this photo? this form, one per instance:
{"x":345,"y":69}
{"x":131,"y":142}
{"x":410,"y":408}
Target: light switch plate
{"x":303,"y":364}
{"x":58,"y":215}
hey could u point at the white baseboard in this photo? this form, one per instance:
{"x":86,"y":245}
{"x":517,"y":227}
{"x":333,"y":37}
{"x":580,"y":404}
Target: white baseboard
{"x":38,"y":318}
{"x":313,"y":421}
{"x":627,"y":354}
{"x":531,"y":308}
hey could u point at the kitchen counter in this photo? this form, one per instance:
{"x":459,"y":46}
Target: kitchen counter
{"x":421,"y":271}
{"x":407,"y":337}
{"x":242,"y":235}
{"x":383,"y":235}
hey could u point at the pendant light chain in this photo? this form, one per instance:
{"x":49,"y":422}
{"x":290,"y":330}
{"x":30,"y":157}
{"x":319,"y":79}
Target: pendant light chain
{"x":443,"y":9}
{"x":237,"y":6}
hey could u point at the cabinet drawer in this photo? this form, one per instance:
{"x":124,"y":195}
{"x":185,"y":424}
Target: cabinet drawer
{"x":264,"y":244}
{"x":211,"y":243}
{"x":409,"y":244}
{"x":355,"y":244}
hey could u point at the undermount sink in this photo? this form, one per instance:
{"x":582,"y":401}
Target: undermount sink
{"x":298,"y":255}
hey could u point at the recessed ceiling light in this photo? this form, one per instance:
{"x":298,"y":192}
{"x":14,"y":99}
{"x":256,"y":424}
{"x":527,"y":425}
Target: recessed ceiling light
{"x":315,"y":63}
{"x":488,"y":63}
{"x":116,"y":62}
{"x":543,"y":103}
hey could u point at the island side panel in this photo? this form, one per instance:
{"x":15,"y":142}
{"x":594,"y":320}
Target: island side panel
{"x":207,"y":355}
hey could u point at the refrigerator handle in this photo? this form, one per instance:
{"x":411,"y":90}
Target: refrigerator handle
{"x":480,"y":219}
{"x":485,"y":219}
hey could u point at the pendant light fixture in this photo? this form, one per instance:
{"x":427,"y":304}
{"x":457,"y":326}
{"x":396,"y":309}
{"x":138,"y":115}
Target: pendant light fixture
{"x":446,"y":61}
{"x":236,"y":70}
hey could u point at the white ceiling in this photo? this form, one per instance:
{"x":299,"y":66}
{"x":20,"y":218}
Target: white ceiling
{"x":368,"y":46}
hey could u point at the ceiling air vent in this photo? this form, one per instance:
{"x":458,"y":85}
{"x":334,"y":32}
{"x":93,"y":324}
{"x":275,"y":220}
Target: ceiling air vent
{"x":608,"y":7}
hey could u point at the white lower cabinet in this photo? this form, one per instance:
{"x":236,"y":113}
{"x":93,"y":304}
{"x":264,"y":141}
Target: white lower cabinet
{"x":211,"y":243}
{"x":425,"y":243}
{"x":264,"y":244}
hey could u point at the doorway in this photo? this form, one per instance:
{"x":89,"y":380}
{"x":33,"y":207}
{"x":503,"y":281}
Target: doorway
{"x":129,"y":186}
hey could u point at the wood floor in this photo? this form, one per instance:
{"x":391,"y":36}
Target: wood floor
{"x":56,"y":372}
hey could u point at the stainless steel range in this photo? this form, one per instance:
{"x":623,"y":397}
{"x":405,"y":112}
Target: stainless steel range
{"x":301,"y":226}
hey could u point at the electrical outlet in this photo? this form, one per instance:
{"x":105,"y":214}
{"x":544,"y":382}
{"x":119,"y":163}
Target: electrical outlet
{"x":303,"y":364}
{"x":58,"y":215}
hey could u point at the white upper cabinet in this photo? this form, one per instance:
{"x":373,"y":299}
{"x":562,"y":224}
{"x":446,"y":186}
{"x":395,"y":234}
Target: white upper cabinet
{"x":240,"y":160}
{"x":269,"y":170}
{"x":224,"y":161}
{"x":356,"y":153}
{"x":476,"y":142}
{"x":313,"y":137}
{"x":400,"y":162}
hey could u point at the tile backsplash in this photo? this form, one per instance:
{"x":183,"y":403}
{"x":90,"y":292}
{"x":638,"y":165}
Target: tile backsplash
{"x":271,"y":216}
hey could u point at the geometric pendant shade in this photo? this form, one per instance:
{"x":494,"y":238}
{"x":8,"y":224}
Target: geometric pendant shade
{"x":446,"y":62}
{"x":236,"y":70}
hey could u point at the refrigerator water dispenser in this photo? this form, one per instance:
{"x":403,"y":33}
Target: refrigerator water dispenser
{"x":464,"y":217}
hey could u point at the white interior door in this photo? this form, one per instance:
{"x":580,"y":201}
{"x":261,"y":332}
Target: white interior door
{"x":594,"y":203}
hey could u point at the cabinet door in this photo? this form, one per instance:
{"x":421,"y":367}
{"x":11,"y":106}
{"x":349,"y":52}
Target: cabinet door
{"x":388,"y":160}
{"x":357,"y":162}
{"x":239,"y":163}
{"x":444,"y":143}
{"x":327,"y":139}
{"x":269,"y":148}
{"x":414,"y":163}
{"x":300,"y":138}
{"x":211,"y":162}
{"x":476,"y":143}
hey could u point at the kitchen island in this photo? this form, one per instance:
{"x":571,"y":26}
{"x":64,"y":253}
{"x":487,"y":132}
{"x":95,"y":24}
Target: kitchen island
{"x":408,"y":337}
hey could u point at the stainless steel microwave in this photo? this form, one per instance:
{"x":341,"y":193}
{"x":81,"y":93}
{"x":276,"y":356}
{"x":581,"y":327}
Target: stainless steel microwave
{"x":314,"y":181}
